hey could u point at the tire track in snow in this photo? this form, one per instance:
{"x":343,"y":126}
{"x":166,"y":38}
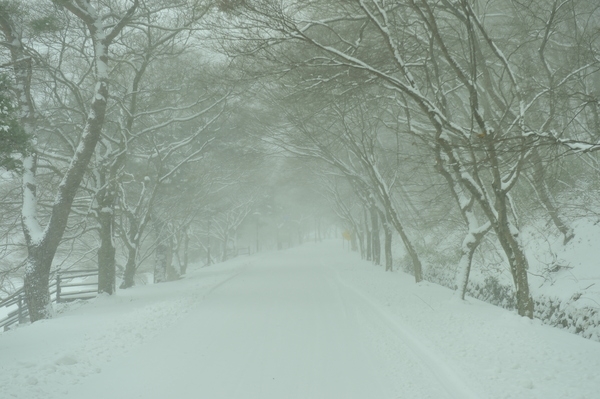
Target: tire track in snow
{"x":451,"y":381}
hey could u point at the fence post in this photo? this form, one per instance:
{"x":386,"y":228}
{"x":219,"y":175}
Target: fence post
{"x":58,"y":286}
{"x":20,"y":304}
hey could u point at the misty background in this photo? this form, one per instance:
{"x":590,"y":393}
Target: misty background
{"x":452,"y":140}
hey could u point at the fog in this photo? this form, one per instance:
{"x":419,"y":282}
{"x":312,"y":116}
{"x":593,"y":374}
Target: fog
{"x":451,"y":144}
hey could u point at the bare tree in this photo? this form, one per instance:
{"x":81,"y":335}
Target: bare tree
{"x":42,"y":242}
{"x":464,"y":93}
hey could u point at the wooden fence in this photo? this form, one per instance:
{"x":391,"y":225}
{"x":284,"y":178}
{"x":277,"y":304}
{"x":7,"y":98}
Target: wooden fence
{"x":63,"y":288}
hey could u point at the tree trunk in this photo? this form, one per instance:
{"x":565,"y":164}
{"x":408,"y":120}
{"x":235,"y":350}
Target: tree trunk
{"x":469,"y":246}
{"x":36,"y":283}
{"x":353,"y":243}
{"x":361,"y":242}
{"x":162,"y":253}
{"x":508,"y":234}
{"x":416,"y":262}
{"x":130,"y":268}
{"x":368,"y":239}
{"x":389,"y":261}
{"x":160,"y":263}
{"x":173,"y":265}
{"x":39,"y":253}
{"x":475,"y":231}
{"x":106,"y":198}
{"x":376,"y":246}
{"x":132,"y":242}
{"x":518,"y":266}
{"x":387,"y":230}
{"x":62,"y":208}
{"x":186,"y":244}
{"x":498,"y":215}
{"x":106,"y":253}
{"x":382,"y":191}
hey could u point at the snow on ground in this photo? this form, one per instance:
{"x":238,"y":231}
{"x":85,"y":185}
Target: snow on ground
{"x":308,"y":323}
{"x":576,"y":266}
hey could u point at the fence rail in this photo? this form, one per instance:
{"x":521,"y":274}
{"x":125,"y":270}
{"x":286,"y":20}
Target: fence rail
{"x":61,"y":279}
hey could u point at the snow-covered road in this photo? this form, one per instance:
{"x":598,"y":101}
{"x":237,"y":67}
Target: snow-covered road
{"x":308,"y":323}
{"x":277,"y":329}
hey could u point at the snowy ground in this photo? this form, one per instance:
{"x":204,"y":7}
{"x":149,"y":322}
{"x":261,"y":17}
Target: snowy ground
{"x":307,"y":323}
{"x":578,"y":272}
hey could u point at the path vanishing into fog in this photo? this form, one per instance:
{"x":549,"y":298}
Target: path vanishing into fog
{"x":283,"y":326}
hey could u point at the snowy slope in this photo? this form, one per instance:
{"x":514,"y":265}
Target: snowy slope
{"x":576,"y":268}
{"x":310,"y":322}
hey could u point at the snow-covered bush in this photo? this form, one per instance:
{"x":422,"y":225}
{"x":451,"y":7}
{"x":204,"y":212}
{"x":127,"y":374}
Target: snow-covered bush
{"x":494,"y":292}
{"x":584,"y":321}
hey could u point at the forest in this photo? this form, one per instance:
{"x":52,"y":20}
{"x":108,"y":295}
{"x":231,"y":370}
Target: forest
{"x":453,"y":140}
